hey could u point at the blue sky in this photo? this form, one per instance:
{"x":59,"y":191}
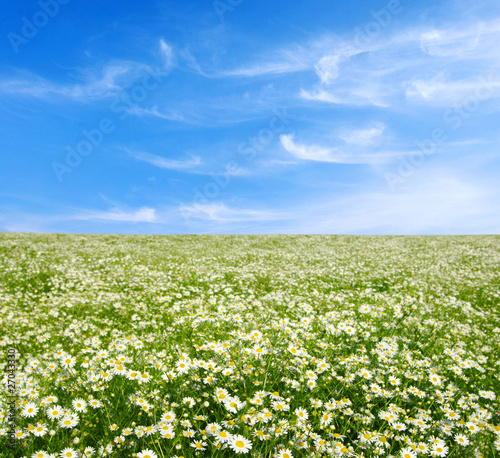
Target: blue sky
{"x":362,"y":117}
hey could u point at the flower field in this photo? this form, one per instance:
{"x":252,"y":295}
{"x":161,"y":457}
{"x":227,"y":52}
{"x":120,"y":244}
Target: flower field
{"x":258,"y":346}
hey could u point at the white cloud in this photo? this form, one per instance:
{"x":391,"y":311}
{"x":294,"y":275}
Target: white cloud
{"x":143,"y":215}
{"x":351,"y":93}
{"x":336,"y":155}
{"x":469,"y":41}
{"x":164,"y":163}
{"x":104,"y":83}
{"x":170,"y":115}
{"x":328,"y":68}
{"x":167,"y":53}
{"x":191,"y":61}
{"x":322,"y":55}
{"x":363,"y":137}
{"x":268,"y":68}
{"x":217,"y":211}
{"x":307,"y":152}
{"x":392,"y":67}
{"x":443,"y":91}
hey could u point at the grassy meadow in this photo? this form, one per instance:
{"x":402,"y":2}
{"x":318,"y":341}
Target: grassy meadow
{"x":258,"y":346}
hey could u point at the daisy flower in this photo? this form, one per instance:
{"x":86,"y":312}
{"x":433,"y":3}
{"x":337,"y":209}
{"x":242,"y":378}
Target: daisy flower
{"x":169,"y":416}
{"x":48,"y":400}
{"x":144,"y":378}
{"x":302,"y":414}
{"x":259,"y":351}
{"x":68,"y":361}
{"x":284,"y":453}
{"x":240,"y":444}
{"x":462,"y":439}
{"x":382,"y":441}
{"x":182,"y":367}
{"x":399,"y":426}
{"x":79,"y":404}
{"x":439,"y":450}
{"x":189,"y":401}
{"x":233,"y":404}
{"x":40,"y":430}
{"x":223,"y":436}
{"x":213,"y":428}
{"x":221,"y":394}
{"x":435,"y":379}
{"x":436,"y":441}
{"x":106,"y":376}
{"x":68,"y":421}
{"x":133,"y":375}
{"x":95,"y":403}
{"x":199,"y":445}
{"x":167,"y":432}
{"x":68,"y":453}
{"x":472,"y":427}
{"x":294,"y":350}
{"x":19,"y":434}
{"x":311,"y":384}
{"x":422,"y":448}
{"x":320,"y":443}
{"x":40,"y":454}
{"x":257,"y":401}
{"x":188,"y":432}
{"x":120,"y":370}
{"x":89,"y":451}
{"x":30,"y":410}
{"x":147,"y":454}
{"x":55,"y":411}
{"x":407,"y":452}
{"x":278,"y":405}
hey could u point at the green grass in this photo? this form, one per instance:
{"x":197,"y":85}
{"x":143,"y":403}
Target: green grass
{"x":361,"y":323}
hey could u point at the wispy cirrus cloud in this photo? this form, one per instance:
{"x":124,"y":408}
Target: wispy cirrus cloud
{"x":142,"y":215}
{"x":292,"y":58}
{"x":310,"y":152}
{"x":363,"y":137}
{"x":170,"y":115}
{"x":89,"y":84}
{"x":393,"y":70}
{"x":95,"y":84}
{"x":340,"y":155}
{"x":165,"y":163}
{"x":469,"y":41}
{"x":218,"y":211}
{"x":444,"y":91}
{"x":167,"y":54}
